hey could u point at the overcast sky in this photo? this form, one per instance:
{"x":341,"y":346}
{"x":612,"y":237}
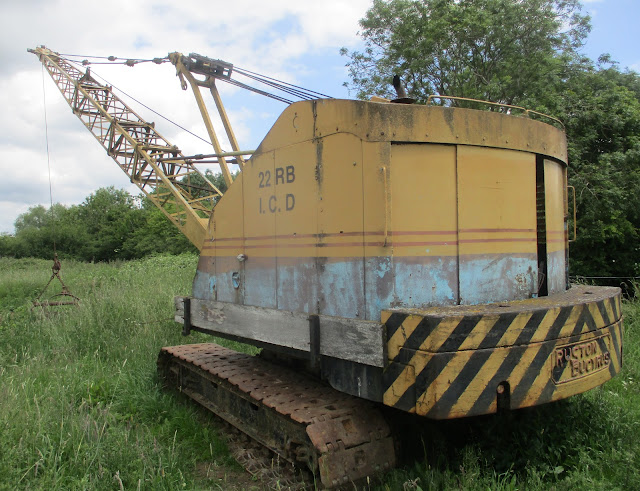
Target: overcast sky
{"x":294,"y":40}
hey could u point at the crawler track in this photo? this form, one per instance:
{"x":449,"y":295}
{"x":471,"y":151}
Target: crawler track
{"x":336,"y":437}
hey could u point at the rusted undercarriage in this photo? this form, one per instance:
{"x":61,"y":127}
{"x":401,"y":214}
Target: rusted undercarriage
{"x":337,"y":437}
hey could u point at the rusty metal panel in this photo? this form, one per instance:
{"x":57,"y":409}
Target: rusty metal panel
{"x":424,"y":232}
{"x":496,"y":225}
{"x":259,"y":231}
{"x":373,"y":122}
{"x":294,"y":206}
{"x":556,"y":224}
{"x":228,"y":232}
{"x":340,"y":251}
{"x":430,"y":124}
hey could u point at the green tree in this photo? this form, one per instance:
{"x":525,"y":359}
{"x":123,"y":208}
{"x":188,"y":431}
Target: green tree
{"x":37,"y":217}
{"x":7,"y":245}
{"x":601,"y":109}
{"x":109,"y":216}
{"x":506,"y":51}
{"x":34,"y":233}
{"x":525,"y":52}
{"x":110,"y":224}
{"x":40,"y":232}
{"x":156,"y":234}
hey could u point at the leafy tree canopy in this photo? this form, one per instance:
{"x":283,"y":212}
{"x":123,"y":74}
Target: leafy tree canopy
{"x":601,"y":110}
{"x":499,"y":50}
{"x":110,"y":224}
{"x":524,"y":52}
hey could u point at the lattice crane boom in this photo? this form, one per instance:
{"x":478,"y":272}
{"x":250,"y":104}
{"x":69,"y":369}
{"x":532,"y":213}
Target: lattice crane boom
{"x":158,"y":168}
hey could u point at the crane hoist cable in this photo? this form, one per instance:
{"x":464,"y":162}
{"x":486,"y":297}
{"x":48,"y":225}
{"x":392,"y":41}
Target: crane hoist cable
{"x":113,"y":60}
{"x":149,"y":108}
{"x":262,"y":78}
{"x":212,"y":70}
{"x":286,"y":87}
{"x":65,"y":294}
{"x":106,"y":82}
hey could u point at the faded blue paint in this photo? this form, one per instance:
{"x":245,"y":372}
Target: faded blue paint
{"x":225,"y":290}
{"x":378,"y":286}
{"x":409,"y":282}
{"x":383,"y":268}
{"x":362,"y":288}
{"x":260,"y":280}
{"x":497,"y":278}
{"x":204,"y":281}
{"x":341,"y":288}
{"x":297,"y":286}
{"x":428,"y":283}
{"x":202,"y":286}
{"x":556,"y":270}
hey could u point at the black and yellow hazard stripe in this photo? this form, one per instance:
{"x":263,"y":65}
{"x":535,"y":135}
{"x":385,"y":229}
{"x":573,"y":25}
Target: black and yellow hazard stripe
{"x":448,"y":362}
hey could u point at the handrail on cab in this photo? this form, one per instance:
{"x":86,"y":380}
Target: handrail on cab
{"x":526,"y":111}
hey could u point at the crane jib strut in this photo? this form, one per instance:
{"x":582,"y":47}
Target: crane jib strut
{"x":159,"y":169}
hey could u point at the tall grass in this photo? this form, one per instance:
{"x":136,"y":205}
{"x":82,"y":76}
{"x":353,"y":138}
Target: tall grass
{"x":81,"y":406}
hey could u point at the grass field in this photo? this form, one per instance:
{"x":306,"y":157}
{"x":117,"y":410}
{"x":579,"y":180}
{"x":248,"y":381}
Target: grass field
{"x":82,"y":408}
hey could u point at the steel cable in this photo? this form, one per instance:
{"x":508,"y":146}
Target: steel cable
{"x":143,"y":104}
{"x":286,"y":87}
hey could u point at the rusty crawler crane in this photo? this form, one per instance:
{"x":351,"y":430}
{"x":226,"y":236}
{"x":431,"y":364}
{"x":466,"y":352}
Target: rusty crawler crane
{"x":404,"y":255}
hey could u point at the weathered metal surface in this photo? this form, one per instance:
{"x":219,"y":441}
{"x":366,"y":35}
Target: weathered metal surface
{"x":413,"y":123}
{"x":449,"y":362}
{"x":496,"y":191}
{"x":556,"y":214}
{"x":339,"y":438}
{"x":355,"y":340}
{"x":386,"y":208}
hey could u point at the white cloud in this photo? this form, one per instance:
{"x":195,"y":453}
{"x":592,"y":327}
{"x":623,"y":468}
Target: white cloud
{"x":275,"y":37}
{"x":9,"y":211}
